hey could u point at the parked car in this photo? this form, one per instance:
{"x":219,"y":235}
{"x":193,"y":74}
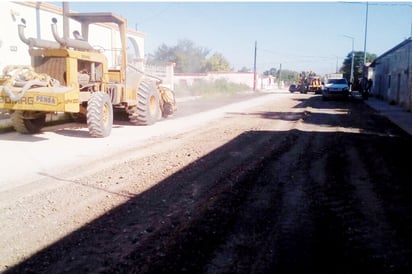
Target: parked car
{"x":335,"y":88}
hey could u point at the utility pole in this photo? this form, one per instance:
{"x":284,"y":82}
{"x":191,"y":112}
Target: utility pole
{"x":364,"y":43}
{"x":337,"y":61}
{"x":353,"y":59}
{"x":254,"y":69}
{"x":280,"y":71}
{"x":352,"y":66}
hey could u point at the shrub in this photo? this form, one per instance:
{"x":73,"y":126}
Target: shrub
{"x":219,"y":87}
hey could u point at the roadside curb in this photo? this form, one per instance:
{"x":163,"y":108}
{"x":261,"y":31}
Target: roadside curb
{"x":394,"y":113}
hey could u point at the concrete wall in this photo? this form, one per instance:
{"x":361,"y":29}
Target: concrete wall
{"x":392,"y":76}
{"x":245,"y":78}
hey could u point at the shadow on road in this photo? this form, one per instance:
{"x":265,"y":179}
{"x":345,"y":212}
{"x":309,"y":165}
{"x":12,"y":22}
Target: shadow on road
{"x":180,"y":223}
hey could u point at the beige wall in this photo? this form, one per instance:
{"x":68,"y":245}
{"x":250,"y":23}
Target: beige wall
{"x":246,"y":78}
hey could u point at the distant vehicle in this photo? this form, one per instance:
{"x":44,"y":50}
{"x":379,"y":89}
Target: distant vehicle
{"x":335,"y":88}
{"x":307,"y":81}
{"x":293,"y":88}
{"x":334,"y":75}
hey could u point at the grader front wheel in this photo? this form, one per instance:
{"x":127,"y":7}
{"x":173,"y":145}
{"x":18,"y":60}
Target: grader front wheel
{"x":28,"y":122}
{"x":99,"y":114}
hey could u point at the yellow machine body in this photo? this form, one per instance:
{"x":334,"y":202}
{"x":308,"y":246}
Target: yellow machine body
{"x":69,"y":75}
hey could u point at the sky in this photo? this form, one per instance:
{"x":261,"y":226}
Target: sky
{"x":298,"y":36}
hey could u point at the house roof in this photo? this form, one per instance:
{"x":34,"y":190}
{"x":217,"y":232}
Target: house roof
{"x":400,"y":45}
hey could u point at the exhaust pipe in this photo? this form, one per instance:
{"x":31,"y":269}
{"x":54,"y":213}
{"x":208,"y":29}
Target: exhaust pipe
{"x":34,"y":42}
{"x":71,"y":43}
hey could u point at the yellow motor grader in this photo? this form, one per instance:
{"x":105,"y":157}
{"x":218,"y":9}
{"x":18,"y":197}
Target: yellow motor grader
{"x":69,"y":75}
{"x":307,"y":81}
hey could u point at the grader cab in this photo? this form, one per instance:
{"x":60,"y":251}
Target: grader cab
{"x":69,"y":75}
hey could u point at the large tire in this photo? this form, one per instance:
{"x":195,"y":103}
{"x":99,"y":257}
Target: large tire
{"x":168,"y":99}
{"x":147,"y":111}
{"x":28,"y":122}
{"x":99,"y":114}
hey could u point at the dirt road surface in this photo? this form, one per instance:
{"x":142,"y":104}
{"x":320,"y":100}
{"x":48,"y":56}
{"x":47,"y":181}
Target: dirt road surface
{"x":292,"y":185}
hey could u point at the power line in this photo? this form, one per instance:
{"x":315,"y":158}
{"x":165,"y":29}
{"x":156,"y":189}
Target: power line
{"x":379,"y":4}
{"x":297,"y":55}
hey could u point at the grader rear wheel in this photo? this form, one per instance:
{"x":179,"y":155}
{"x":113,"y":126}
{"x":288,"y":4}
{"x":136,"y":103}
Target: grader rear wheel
{"x":99,"y":114}
{"x":147,"y":111}
{"x":28,"y":122}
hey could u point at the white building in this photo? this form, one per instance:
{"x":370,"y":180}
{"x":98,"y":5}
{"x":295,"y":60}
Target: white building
{"x":38,"y":17}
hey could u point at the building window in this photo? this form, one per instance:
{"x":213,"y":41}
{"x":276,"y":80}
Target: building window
{"x":389,"y":81}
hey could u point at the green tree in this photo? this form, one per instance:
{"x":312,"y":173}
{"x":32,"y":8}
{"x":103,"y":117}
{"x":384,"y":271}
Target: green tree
{"x":272,"y":71}
{"x":163,"y":54}
{"x":357,"y":64}
{"x":217,"y":62}
{"x":282,"y":75}
{"x":288,"y":75}
{"x":188,"y":57}
{"x":245,"y":69}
